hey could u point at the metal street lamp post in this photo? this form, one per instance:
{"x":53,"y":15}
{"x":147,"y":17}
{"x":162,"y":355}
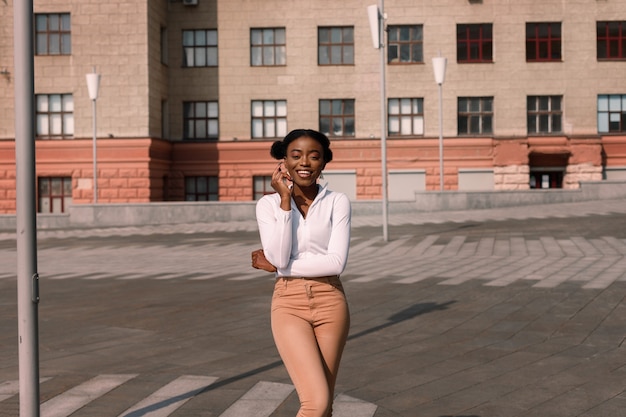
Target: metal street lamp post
{"x":93,"y":86}
{"x":26,"y":211}
{"x":439,"y":67}
{"x":376,"y":17}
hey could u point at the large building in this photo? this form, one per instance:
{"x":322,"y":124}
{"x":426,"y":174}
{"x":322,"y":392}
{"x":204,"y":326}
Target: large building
{"x":193,"y":92}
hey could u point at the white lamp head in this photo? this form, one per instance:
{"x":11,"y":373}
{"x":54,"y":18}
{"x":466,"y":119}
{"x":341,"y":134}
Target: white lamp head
{"x":439,"y":67}
{"x":374,"y":19}
{"x":93,"y":85}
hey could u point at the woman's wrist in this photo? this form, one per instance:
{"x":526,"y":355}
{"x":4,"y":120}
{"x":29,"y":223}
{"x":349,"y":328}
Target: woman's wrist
{"x":285,"y":203}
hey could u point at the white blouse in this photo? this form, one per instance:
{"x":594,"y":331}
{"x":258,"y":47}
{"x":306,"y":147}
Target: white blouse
{"x":313,"y":247}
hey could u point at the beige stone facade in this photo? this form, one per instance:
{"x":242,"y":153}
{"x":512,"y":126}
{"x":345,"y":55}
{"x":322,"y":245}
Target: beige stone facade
{"x":137,"y":47}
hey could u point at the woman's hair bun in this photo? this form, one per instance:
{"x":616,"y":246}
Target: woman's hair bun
{"x":278,"y":150}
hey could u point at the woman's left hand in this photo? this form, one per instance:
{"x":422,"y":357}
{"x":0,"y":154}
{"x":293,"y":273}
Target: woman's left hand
{"x":259,"y":261}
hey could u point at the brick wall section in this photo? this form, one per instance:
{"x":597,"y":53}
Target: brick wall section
{"x":574,"y":174}
{"x":511,"y":177}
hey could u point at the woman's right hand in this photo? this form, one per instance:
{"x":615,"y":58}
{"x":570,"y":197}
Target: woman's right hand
{"x":281,"y":180}
{"x":282,"y":184}
{"x":259,"y":261}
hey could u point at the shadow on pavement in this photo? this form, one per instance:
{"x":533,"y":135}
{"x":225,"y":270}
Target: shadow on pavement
{"x":406,"y":314}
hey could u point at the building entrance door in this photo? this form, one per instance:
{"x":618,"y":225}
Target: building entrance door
{"x":546,"y":179}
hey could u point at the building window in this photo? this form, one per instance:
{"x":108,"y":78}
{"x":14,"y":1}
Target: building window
{"x":475,"y":115}
{"x":337,"y":117}
{"x":268,"y":47}
{"x":335,"y":46}
{"x":262,"y":186}
{"x":55,"y":116}
{"x":611,"y":40}
{"x":405,"y":116}
{"x":53,"y":34}
{"x":269,"y":118}
{"x":200,"y":48}
{"x":612,"y":113}
{"x":201,"y":189}
{"x":200,"y":120}
{"x":405,"y":44}
{"x":474,"y":43}
{"x":54,"y":193}
{"x":544,"y":114}
{"x":543,"y":42}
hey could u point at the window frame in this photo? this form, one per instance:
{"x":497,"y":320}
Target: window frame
{"x":615,"y":109}
{"x":212,"y":192}
{"x":63,"y":32}
{"x":464,"y":37}
{"x":395,"y":41}
{"x":415,"y":116}
{"x":64,"y":116}
{"x":275,"y":47}
{"x":607,"y":38}
{"x":279,"y":120}
{"x":209,"y":120}
{"x":550,"y":114}
{"x":328,"y":44}
{"x":266,"y":189}
{"x":64,"y":197}
{"x":345,"y":118}
{"x":208,"y":48}
{"x":480,"y":115}
{"x":540,"y":36}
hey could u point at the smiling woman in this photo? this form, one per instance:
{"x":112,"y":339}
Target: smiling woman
{"x":305,"y":234}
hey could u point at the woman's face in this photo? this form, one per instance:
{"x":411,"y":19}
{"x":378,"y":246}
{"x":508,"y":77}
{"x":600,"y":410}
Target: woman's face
{"x":305,"y":161}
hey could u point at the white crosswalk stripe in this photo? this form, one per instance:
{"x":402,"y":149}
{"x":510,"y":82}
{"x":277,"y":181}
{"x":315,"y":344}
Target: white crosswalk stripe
{"x":169,"y":398}
{"x":9,"y":389}
{"x":71,"y":400}
{"x":261,"y":400}
{"x":345,"y":406}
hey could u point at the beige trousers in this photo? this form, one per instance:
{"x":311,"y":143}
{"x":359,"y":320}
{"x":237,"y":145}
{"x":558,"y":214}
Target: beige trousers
{"x":310,"y":322}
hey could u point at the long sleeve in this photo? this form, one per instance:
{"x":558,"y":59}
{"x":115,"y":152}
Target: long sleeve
{"x":326,"y":240}
{"x":275,"y":229}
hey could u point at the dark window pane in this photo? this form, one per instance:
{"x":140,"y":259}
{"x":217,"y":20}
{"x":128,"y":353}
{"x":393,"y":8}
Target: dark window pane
{"x":349,"y":126}
{"x":487,"y":127}
{"x":405,"y":53}
{"x":325,"y":107}
{"x":417,"y":53}
{"x":337,"y":107}
{"x":556,"y":124}
{"x":325,"y":125}
{"x":322,"y":56}
{"x":348,"y":35}
{"x":349,"y":107}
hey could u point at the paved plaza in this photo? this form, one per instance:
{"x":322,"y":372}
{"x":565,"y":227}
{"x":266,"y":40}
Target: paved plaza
{"x":516,"y":312}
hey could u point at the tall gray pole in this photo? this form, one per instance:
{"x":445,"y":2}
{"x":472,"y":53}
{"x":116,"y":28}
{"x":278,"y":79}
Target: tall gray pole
{"x":439,"y":68}
{"x":93,"y":87}
{"x":440,"y":137}
{"x":383,"y":122}
{"x":26,"y":216}
{"x":95,"y":153}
